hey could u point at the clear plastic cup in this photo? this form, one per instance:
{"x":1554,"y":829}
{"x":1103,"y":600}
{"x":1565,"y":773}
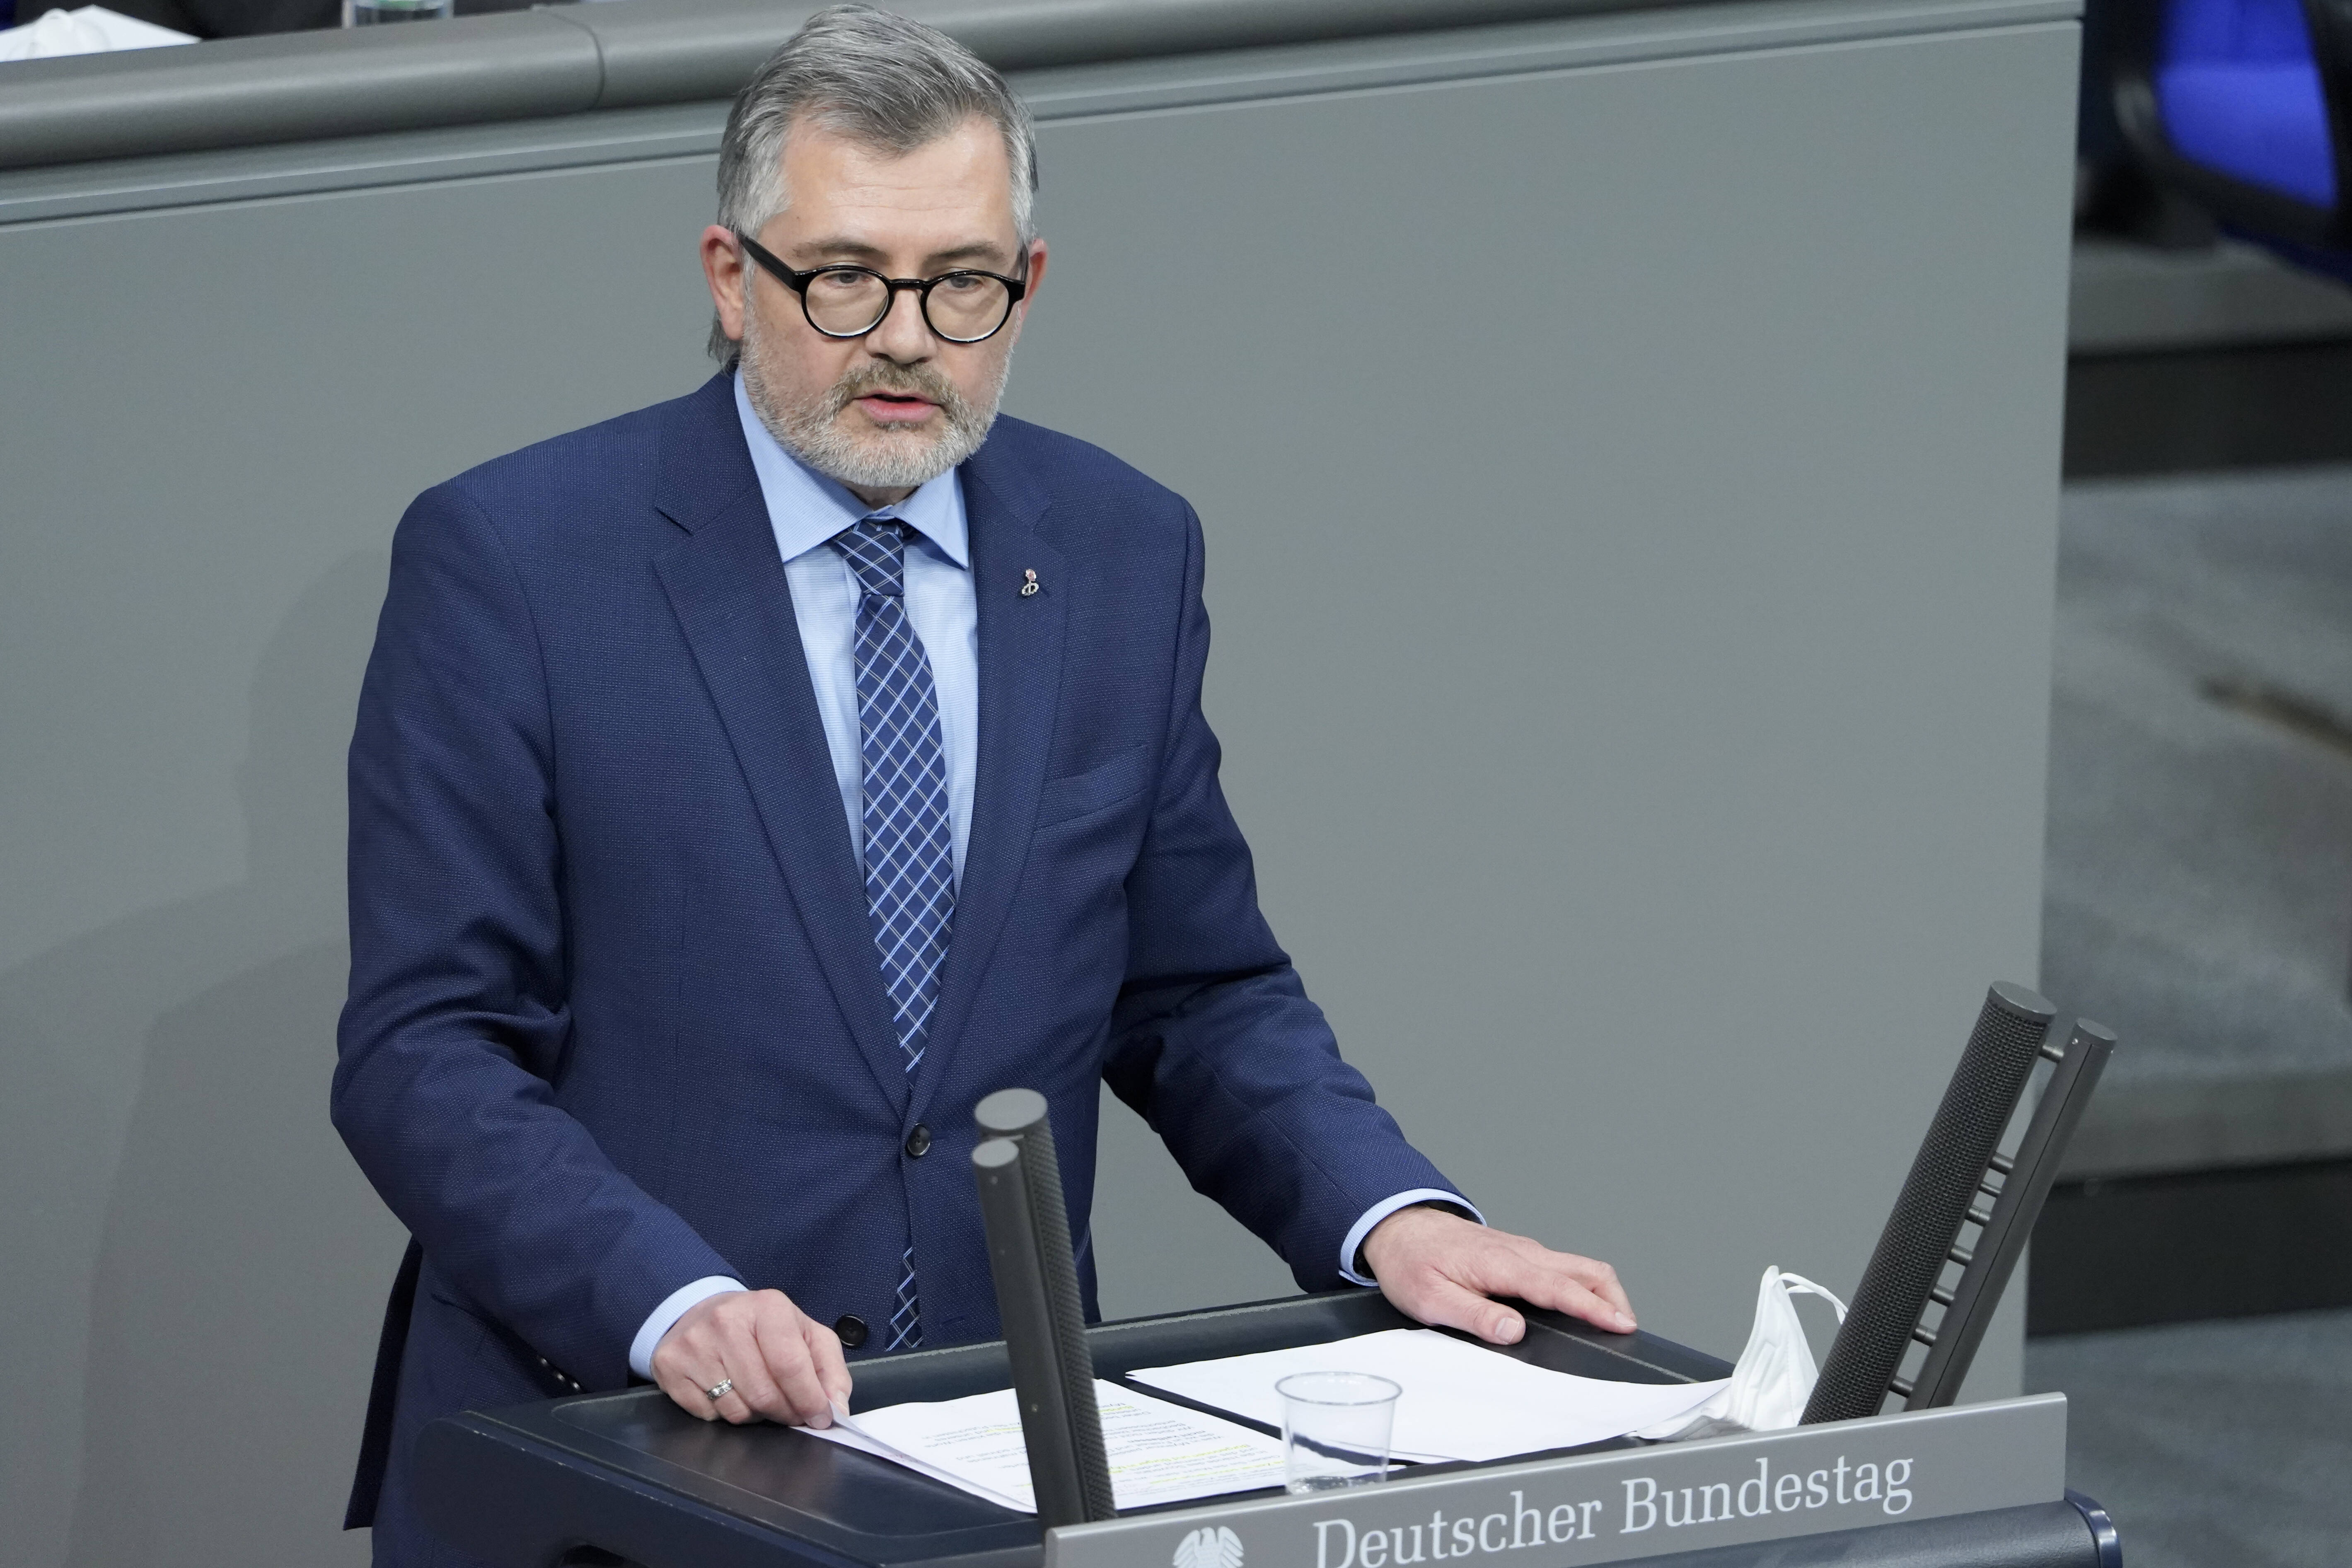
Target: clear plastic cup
{"x":375,"y":13}
{"x":1335,"y":1430}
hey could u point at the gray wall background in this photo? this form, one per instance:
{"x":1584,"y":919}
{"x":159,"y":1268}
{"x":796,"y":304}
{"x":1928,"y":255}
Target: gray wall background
{"x":1631,"y":494}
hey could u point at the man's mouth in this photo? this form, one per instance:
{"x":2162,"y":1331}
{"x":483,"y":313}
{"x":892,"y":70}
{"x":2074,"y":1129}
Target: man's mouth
{"x":895,"y":407}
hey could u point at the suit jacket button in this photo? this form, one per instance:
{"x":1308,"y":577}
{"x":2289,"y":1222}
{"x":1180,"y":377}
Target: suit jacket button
{"x":852,"y":1330}
{"x":918,"y":1142}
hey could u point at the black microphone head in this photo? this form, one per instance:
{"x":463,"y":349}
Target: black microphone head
{"x":2024,"y":1003}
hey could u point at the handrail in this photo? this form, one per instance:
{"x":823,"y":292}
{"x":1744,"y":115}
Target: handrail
{"x":570,"y":58}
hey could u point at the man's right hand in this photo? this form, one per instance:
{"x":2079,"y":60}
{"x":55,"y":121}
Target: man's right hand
{"x":785,"y":1366}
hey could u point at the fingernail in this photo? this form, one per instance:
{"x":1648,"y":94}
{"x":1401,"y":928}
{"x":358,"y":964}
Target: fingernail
{"x":1625,"y":1322}
{"x":1507,"y":1331}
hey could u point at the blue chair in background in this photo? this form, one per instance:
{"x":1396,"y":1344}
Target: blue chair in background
{"x":2246,"y":106}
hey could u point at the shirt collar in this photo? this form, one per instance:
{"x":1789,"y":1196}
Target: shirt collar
{"x":806,"y":509}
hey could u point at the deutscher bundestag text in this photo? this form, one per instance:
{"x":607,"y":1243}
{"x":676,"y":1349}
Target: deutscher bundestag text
{"x":1868,"y":1488}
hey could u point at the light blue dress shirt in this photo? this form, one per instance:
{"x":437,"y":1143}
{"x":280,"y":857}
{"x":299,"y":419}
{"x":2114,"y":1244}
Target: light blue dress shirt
{"x":806,"y":510}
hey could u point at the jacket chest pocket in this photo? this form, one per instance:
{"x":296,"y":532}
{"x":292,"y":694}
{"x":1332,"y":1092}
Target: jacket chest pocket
{"x":1105,"y":784}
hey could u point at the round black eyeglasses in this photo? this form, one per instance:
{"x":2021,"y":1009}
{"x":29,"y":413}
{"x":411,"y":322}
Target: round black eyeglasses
{"x":843,"y":301}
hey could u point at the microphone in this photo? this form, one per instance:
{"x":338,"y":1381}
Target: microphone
{"x":1036,"y":1276}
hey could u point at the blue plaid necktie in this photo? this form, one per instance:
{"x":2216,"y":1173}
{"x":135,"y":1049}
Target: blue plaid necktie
{"x":909,"y":856}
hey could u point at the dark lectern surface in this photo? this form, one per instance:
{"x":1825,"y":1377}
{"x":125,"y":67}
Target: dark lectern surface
{"x":635,"y":1478}
{"x":632,"y":1474}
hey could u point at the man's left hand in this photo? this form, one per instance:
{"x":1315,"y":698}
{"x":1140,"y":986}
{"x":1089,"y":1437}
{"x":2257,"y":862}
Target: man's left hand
{"x":1443,"y":1269}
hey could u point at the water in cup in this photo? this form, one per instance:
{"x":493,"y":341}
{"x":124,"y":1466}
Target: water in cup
{"x":372,"y":12}
{"x":1335,"y":1430}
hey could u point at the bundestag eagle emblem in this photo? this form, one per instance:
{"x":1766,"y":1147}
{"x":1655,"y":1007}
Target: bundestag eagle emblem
{"x":1210,"y":1546}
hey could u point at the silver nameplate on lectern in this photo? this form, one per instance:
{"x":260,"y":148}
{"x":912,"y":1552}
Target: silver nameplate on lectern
{"x":1621,"y":1505}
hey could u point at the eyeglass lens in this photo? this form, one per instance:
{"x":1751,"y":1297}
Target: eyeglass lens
{"x":961,"y":307}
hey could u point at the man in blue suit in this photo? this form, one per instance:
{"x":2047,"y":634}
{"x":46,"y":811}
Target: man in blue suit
{"x":743,"y":788}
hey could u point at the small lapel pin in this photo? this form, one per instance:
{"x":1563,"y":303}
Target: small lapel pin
{"x":1029,"y":586}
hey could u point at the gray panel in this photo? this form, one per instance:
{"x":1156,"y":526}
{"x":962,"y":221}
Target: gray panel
{"x":293,"y":86}
{"x":298,"y":87}
{"x":363,"y":163}
{"x":1635,"y":692}
{"x":1622,"y":1506}
{"x":202,"y":483}
{"x":1650,"y":839}
{"x":1353,"y":64}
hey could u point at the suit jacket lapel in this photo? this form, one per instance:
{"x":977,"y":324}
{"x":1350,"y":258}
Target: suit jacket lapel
{"x":1020,"y":691}
{"x":728,"y":589}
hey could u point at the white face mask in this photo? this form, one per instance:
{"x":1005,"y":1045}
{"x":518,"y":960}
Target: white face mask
{"x":1775,"y":1375}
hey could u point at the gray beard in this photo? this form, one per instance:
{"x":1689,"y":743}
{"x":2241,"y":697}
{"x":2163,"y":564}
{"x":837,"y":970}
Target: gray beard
{"x":883,"y":458}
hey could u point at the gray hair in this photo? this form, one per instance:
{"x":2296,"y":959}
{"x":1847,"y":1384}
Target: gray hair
{"x":877,"y":79}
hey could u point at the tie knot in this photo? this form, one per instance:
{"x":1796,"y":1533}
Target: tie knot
{"x":876,"y":550}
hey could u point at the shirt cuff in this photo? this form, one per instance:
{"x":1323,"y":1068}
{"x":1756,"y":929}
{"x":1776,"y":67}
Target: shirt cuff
{"x":1381,"y":1211}
{"x":675,"y":1305}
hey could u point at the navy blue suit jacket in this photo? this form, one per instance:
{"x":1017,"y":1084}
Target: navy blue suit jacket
{"x":615,"y":1019}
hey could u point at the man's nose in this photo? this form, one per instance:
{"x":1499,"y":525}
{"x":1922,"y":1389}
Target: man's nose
{"x":903,"y":335}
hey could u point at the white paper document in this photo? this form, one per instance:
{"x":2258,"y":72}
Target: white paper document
{"x":1158,"y":1452}
{"x":1460,"y":1401}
